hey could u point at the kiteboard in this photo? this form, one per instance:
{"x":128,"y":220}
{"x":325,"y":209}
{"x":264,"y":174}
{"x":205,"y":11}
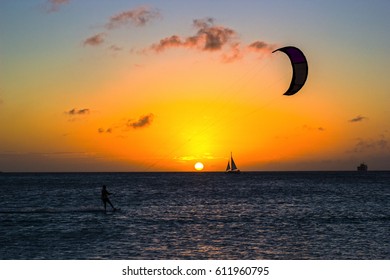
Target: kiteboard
{"x":113,"y":211}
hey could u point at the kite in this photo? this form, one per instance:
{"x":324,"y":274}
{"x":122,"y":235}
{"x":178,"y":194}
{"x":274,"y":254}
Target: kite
{"x":300,"y":68}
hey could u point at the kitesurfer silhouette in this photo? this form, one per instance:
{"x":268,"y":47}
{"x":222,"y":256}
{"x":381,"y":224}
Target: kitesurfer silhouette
{"x":105,"y":198}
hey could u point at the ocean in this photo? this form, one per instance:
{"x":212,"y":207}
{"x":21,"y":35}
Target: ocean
{"x":253,"y":215}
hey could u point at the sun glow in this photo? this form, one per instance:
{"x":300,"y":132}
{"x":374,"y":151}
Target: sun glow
{"x":199,"y":166}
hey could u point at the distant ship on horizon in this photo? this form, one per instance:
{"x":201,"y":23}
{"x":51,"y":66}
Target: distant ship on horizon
{"x":362,"y":167}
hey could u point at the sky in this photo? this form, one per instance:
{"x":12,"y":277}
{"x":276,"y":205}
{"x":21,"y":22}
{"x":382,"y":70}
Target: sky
{"x":160,"y":85}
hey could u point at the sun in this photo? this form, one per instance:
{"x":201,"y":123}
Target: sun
{"x":199,"y":166}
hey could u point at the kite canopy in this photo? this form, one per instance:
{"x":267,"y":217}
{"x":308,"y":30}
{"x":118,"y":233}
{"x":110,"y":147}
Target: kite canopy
{"x":300,"y":68}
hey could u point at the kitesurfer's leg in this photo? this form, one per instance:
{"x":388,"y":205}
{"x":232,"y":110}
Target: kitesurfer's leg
{"x":111,"y":204}
{"x":105,"y":206}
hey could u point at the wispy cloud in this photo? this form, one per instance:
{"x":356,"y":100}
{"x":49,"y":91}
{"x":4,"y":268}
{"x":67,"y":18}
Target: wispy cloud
{"x":75,"y":111}
{"x":212,"y":37}
{"x":141,"y":122}
{"x":359,"y":118}
{"x":261,"y":46}
{"x":371,"y":145}
{"x":139,"y":16}
{"x":54,"y":5}
{"x":234,"y":54}
{"x":311,"y":128}
{"x":102,"y":130}
{"x":95,"y":40}
{"x":115,"y":48}
{"x":208,"y":37}
{"x":168,"y":42}
{"x":77,"y":114}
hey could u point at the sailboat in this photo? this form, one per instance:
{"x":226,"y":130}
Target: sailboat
{"x":231,"y":166}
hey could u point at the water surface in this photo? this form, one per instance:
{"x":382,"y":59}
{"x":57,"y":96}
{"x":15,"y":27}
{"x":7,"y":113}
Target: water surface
{"x":259,"y":215}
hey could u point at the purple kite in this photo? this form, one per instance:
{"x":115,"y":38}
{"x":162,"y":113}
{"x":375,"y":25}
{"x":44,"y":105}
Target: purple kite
{"x":300,"y":68}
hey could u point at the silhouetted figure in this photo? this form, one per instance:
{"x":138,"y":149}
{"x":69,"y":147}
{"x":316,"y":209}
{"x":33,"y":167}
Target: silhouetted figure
{"x":105,"y":198}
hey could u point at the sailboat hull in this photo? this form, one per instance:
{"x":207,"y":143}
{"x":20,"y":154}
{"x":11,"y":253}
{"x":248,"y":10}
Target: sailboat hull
{"x":236,"y":171}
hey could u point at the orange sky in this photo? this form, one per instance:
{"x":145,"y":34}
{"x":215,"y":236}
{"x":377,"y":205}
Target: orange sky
{"x":97,"y":95}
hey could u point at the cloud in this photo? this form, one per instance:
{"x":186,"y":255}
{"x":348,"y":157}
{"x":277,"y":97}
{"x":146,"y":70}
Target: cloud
{"x":260,"y":46}
{"x":310,"y":128}
{"x":54,"y":5}
{"x":381,"y":144}
{"x":102,"y":130}
{"x":115,"y":48}
{"x":169,"y":42}
{"x":141,"y":122}
{"x":208,"y":37}
{"x":137,"y":17}
{"x":359,"y":118}
{"x":212,"y":37}
{"x":75,"y":111}
{"x":235,"y":54}
{"x":95,"y":40}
